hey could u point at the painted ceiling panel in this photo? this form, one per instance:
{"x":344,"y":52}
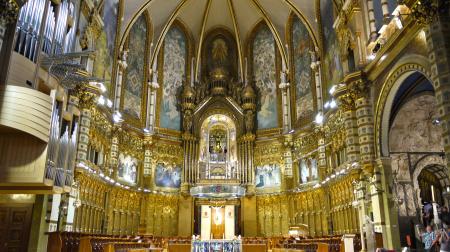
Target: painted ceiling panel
{"x":219,"y":16}
{"x":192,"y":16}
{"x":308,"y":10}
{"x":279,"y":15}
{"x":246,"y":16}
{"x":160,"y":12}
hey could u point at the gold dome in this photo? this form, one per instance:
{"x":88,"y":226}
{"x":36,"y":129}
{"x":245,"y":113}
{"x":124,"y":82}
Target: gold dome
{"x":248,"y":92}
{"x":188,"y":92}
{"x":219,"y":73}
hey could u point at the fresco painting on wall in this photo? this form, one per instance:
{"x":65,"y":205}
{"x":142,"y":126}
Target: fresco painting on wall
{"x":332,"y":60}
{"x":175,"y":54}
{"x":265,"y":78}
{"x":104,"y":53}
{"x":127,"y":169}
{"x":268,"y":176}
{"x":302,"y":45}
{"x":167,"y":176}
{"x":135,"y":71}
{"x":413,"y":129}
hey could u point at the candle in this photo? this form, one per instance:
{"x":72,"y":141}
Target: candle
{"x":432,"y":193}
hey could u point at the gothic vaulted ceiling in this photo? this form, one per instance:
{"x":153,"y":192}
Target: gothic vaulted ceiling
{"x":237,"y":16}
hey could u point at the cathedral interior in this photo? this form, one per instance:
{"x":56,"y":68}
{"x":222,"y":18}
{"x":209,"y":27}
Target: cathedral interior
{"x":223,"y":125}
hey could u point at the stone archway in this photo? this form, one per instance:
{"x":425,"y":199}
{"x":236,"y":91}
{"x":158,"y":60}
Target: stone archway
{"x":435,"y":164}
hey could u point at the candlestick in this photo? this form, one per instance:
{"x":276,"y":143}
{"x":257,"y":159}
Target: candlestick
{"x":192,"y":71}
{"x":245,"y":70}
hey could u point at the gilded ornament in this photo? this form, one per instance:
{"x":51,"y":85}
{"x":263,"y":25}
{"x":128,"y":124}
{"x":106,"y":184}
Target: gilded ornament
{"x":9,"y":11}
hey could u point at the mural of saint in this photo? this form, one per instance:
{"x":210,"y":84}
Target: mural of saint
{"x":134,"y":78}
{"x":268,"y":176}
{"x":104,"y":53}
{"x":264,"y":74}
{"x":175,"y":47}
{"x":332,"y":61}
{"x":302,"y":45}
{"x":167,"y":176}
{"x":127,"y":169}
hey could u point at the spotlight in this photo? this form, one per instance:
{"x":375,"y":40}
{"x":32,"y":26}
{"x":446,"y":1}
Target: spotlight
{"x":333,"y":104}
{"x":102,"y":87}
{"x":117,"y":117}
{"x":101,"y":100}
{"x":319,"y":118}
{"x":332,"y":89}
{"x":436,"y":121}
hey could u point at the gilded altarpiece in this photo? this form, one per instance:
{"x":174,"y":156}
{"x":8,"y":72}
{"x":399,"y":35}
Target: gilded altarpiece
{"x":167,"y":162}
{"x":269,"y":167}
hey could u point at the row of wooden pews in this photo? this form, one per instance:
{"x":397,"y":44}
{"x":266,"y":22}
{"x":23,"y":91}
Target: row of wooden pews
{"x":77,"y":242}
{"x":309,"y":244}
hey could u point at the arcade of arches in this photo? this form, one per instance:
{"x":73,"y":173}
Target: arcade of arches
{"x":234,"y":124}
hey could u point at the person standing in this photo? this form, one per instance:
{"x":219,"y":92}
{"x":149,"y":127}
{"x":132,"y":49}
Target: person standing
{"x":444,"y":240}
{"x":444,"y":216}
{"x":429,"y":238}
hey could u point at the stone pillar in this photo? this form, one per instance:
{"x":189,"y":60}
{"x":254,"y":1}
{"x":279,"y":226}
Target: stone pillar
{"x":287,"y":157}
{"x":114,"y":155}
{"x":285,"y":101}
{"x":372,"y":27}
{"x":121,"y":66}
{"x":360,"y":196}
{"x":86,"y":95}
{"x":438,"y":41}
{"x":360,"y":91}
{"x":148,"y":154}
{"x":347,"y":106}
{"x":321,"y":152}
{"x":383,"y":198}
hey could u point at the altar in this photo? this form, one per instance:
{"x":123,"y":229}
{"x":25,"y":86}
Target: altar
{"x":214,"y":245}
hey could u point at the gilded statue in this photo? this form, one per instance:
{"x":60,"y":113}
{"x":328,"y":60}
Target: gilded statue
{"x":249,"y":121}
{"x":187,"y":120}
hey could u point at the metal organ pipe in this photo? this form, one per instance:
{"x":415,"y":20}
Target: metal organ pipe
{"x":62,"y":156}
{"x":61,"y":25}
